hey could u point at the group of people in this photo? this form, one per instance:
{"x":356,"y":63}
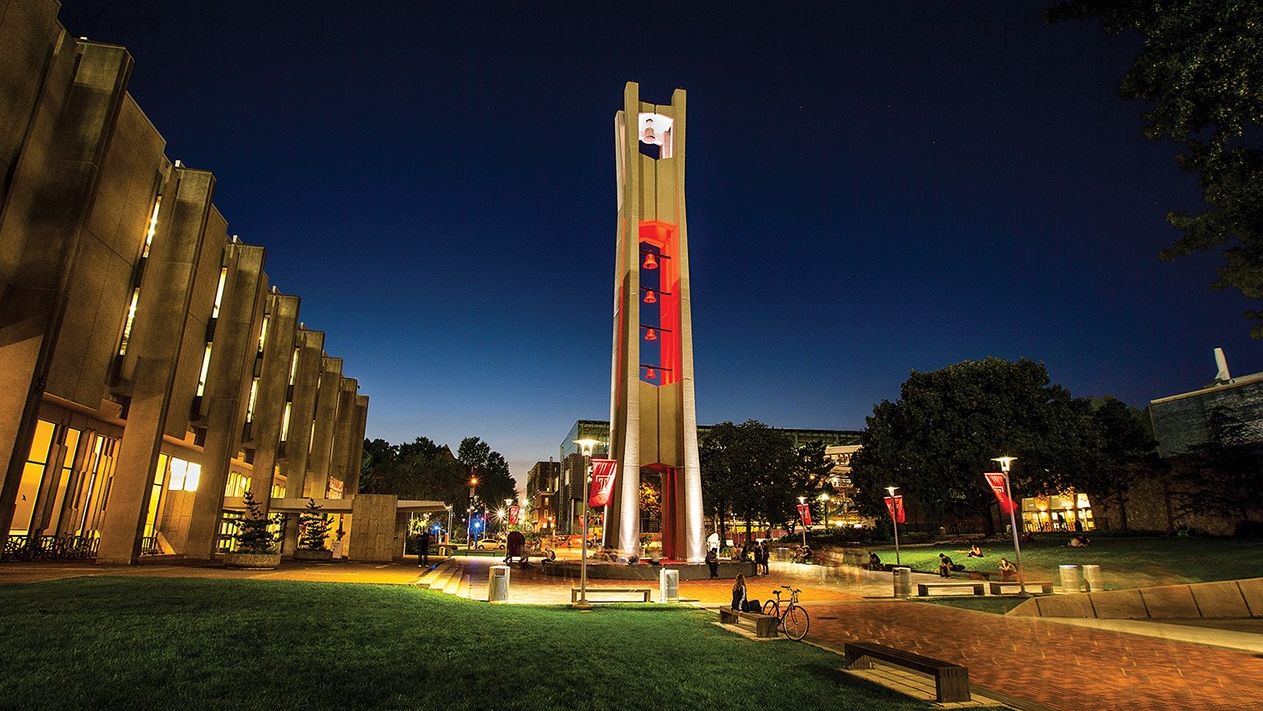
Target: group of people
{"x":756,"y":552}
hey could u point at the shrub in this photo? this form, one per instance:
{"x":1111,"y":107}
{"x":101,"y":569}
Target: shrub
{"x":253,"y":535}
{"x":313,"y":527}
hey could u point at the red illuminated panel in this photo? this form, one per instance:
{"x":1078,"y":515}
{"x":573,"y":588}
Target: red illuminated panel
{"x":660,"y":236}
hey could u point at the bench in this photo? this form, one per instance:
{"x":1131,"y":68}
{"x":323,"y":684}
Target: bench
{"x":923,"y":589}
{"x":764,"y":625}
{"x":951,"y":681}
{"x":574,"y":593}
{"x":997,"y":585}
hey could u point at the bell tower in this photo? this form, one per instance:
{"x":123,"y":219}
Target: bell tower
{"x":653,"y":416}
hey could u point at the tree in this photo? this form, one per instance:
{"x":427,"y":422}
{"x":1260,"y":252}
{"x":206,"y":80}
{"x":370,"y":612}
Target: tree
{"x":253,"y":535}
{"x":751,"y":471}
{"x":1201,"y":72}
{"x":495,"y":484}
{"x":1221,"y":476}
{"x":423,"y":469}
{"x":939,"y":437}
{"x":313,"y":527}
{"x":1128,"y":452}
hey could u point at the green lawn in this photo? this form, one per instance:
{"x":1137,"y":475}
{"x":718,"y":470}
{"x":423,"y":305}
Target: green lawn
{"x":1125,"y":562}
{"x":117,"y":642}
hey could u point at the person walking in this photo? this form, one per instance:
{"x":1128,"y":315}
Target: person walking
{"x":712,"y":562}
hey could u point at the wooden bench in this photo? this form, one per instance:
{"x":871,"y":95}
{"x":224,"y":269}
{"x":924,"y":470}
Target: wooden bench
{"x":764,"y":625}
{"x":574,"y":593}
{"x":923,"y":589}
{"x":951,"y":681}
{"x":996,"y":586}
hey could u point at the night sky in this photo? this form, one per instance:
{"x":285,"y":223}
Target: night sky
{"x":873,"y":188}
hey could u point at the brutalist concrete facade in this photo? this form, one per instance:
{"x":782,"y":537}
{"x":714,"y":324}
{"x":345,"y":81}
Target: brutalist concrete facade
{"x":148,"y":370}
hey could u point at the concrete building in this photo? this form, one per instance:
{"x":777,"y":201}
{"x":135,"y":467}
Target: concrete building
{"x":541,"y":494}
{"x":1228,"y":408}
{"x":149,"y":372}
{"x":839,"y":446}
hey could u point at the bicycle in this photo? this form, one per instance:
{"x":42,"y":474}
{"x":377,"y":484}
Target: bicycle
{"x":793,"y":621}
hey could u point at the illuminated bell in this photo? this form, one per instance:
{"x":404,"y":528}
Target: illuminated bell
{"x":649,"y":373}
{"x":649,"y":137}
{"x":650,"y":262}
{"x":650,"y":334}
{"x":650,"y":298}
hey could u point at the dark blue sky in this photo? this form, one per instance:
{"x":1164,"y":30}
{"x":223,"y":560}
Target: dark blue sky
{"x":873,"y":188}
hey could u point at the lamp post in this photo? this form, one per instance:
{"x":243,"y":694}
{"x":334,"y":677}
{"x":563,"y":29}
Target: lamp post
{"x":1005,"y":463}
{"x":803,"y":500}
{"x":507,"y":504}
{"x":449,"y":528}
{"x":825,"y":499}
{"x":894,"y":520}
{"x":585,"y":447}
{"x":469,"y":527}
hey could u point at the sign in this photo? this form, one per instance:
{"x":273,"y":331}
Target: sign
{"x":602,"y":486}
{"x":514,"y":512}
{"x":804,"y":512}
{"x":996,"y":481}
{"x":894,"y":504}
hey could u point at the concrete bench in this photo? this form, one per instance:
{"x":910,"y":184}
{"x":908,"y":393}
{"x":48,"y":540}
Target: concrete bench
{"x":923,"y":589}
{"x":764,"y":625}
{"x":951,"y":681}
{"x":997,"y":586}
{"x":574,"y":593}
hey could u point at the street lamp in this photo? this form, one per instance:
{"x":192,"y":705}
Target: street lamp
{"x":894,"y":520}
{"x":825,"y":499}
{"x":1005,"y":463}
{"x":449,"y":528}
{"x":803,"y":500}
{"x":585,"y":447}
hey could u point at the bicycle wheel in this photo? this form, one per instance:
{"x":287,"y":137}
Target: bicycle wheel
{"x":770,"y":608}
{"x":796,"y":623}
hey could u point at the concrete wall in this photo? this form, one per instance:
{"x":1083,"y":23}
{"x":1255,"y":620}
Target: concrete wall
{"x":374,"y":530}
{"x":1227,"y":599}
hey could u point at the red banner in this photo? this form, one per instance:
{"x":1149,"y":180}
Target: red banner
{"x":804,"y":512}
{"x":514,"y":512}
{"x":996,"y":481}
{"x":894,"y":504}
{"x":603,"y":472}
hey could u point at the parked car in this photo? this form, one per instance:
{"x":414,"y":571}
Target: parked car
{"x":490,"y":544}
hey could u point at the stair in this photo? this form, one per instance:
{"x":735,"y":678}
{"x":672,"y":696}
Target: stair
{"x":428,"y":578}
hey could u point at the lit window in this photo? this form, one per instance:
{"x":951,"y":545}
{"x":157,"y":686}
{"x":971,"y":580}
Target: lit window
{"x":219,"y":292}
{"x":254,"y":395}
{"x":263,"y":334}
{"x":285,"y":423}
{"x":201,"y":379}
{"x":127,"y":325}
{"x":293,"y":367}
{"x":184,"y":475}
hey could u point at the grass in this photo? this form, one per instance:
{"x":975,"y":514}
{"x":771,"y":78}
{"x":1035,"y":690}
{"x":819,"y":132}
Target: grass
{"x":993,"y":604}
{"x":153,"y":643}
{"x":1125,"y":562}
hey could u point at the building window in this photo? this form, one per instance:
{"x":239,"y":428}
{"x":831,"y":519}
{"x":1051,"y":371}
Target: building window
{"x":254,"y":396}
{"x":155,"y":497}
{"x":293,"y":366}
{"x":185,"y":475}
{"x":32,"y":476}
{"x":263,"y":334}
{"x":219,"y":292}
{"x":201,"y":379}
{"x":285,"y":422}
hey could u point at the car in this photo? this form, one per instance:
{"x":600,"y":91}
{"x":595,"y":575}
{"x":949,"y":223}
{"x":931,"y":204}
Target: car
{"x":490,"y":544}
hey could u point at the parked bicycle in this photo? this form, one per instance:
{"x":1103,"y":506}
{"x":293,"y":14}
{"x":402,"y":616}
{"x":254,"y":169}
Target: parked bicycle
{"x":793,"y":619}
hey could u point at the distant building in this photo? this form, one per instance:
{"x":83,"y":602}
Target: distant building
{"x":1187,"y":420}
{"x":541,"y":491}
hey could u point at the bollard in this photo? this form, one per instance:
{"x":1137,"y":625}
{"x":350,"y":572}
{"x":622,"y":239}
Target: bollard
{"x":1070,"y":578}
{"x":903,"y":582}
{"x":668,"y":585}
{"x":1092,"y":578}
{"x":498,"y":584}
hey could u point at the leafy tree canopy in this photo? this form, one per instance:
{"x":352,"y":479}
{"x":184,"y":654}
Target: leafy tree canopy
{"x":1201,"y":72}
{"x":422,"y":469}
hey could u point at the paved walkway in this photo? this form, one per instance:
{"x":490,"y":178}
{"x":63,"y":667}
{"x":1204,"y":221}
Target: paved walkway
{"x":1056,"y":665}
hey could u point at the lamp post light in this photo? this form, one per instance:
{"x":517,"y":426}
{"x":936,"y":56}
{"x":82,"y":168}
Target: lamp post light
{"x":585,"y":447}
{"x":894,"y":520}
{"x":505,"y":524}
{"x":449,"y":527}
{"x":803,"y":500}
{"x":469,"y":527}
{"x":825,"y":499}
{"x":1005,"y":463}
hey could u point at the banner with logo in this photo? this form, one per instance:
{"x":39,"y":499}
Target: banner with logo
{"x":804,"y":512}
{"x":603,"y":472}
{"x":894,"y":504}
{"x":996,"y":481}
{"x":514,"y":512}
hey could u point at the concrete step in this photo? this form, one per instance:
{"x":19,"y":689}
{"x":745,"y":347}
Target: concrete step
{"x":452,"y":585}
{"x":428,"y":578}
{"x":441,"y":580}
{"x":463,"y":589}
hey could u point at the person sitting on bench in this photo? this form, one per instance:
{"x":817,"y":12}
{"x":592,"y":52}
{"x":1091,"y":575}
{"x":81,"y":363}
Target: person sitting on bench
{"x":804,"y":554}
{"x":974,"y":551}
{"x":944,"y":566}
{"x":874,"y":563}
{"x":1008,"y":571}
{"x":739,"y":593}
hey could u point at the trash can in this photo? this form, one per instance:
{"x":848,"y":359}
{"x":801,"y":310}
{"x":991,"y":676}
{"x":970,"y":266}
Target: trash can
{"x":1070,"y":579}
{"x":783,"y":554}
{"x":1092,"y":578}
{"x":668,"y":585}
{"x":498,"y":584}
{"x":903,"y":582}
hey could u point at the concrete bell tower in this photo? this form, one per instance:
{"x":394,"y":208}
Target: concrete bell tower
{"x":653,"y":415}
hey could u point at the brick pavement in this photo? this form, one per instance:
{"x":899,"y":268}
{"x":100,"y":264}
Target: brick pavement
{"x":1056,"y":665}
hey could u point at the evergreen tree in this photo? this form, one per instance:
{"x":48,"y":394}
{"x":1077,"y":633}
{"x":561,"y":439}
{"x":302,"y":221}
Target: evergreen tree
{"x":253,"y":535}
{"x":313,"y":527}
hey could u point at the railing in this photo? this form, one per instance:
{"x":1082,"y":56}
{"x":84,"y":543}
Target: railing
{"x":40,"y":547}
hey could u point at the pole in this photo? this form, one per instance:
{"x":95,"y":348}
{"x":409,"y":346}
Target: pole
{"x":583,"y":546}
{"x":895,"y":521}
{"x":1017,"y":547}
